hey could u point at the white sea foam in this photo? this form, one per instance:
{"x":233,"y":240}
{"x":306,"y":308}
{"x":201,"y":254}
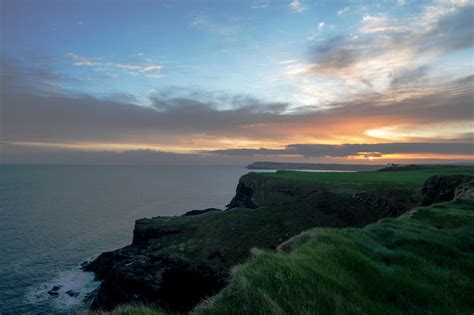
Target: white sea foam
{"x":81,"y":283}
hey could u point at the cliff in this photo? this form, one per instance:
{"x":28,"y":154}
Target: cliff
{"x":175,"y":262}
{"x":418,"y":263}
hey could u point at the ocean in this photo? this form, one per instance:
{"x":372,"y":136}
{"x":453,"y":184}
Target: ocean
{"x":53,"y":218}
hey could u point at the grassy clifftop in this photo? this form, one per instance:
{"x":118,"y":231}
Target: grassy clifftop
{"x":409,"y":179}
{"x":419,"y":263}
{"x":169,"y":252}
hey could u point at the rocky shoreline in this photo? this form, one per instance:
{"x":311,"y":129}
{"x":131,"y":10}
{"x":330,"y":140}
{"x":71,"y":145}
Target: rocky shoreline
{"x":176,"y":262}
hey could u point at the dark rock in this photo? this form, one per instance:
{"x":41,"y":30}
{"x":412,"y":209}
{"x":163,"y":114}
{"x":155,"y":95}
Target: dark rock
{"x":243,"y":197}
{"x":72,"y":293}
{"x":197,"y":212}
{"x":144,"y":231}
{"x":146,"y":276}
{"x":388,"y":204}
{"x":441,"y":188}
{"x":84,"y":264}
{"x":54,"y":290}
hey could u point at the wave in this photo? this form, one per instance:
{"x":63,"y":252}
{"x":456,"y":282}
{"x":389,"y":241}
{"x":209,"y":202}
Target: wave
{"x":68,"y":291}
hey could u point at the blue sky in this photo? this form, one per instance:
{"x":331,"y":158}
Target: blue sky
{"x":277,"y":73}
{"x":236,"y":46}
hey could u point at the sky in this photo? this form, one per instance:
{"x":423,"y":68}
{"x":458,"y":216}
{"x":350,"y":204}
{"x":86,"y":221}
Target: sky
{"x":230,"y":82}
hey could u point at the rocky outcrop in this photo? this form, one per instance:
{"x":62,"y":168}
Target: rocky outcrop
{"x":145,"y":231}
{"x":441,"y":188}
{"x":147,"y":275}
{"x":254,"y":191}
{"x":54,"y":290}
{"x":387,"y":205}
{"x":197,"y":212}
{"x":243,"y":197}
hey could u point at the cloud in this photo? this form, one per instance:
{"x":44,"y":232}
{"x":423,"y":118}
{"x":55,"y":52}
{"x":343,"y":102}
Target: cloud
{"x":348,"y":150}
{"x":200,"y":21}
{"x":297,"y":6}
{"x":154,"y":76}
{"x":409,"y":76}
{"x":151,"y":68}
{"x":197,"y":119}
{"x":379,"y":23}
{"x":203,"y":22}
{"x":260,"y":4}
{"x":285,"y":62}
{"x":184,"y":120}
{"x":384,"y":48}
{"x":343,"y":11}
{"x":137,"y":69}
{"x":319,"y":30}
{"x":443,"y":130}
{"x":31,"y":154}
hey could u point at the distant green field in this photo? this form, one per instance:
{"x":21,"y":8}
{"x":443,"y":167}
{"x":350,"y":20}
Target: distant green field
{"x":364,"y":180}
{"x":417,"y":177}
{"x":419,"y":263}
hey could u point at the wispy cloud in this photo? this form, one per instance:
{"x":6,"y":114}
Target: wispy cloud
{"x":285,"y":62}
{"x":203,"y":22}
{"x":297,"y":6}
{"x":343,"y":11}
{"x":379,"y":23}
{"x":260,"y":4}
{"x":148,"y":70}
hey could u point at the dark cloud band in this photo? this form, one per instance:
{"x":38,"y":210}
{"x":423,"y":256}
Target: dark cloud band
{"x":365,"y":150}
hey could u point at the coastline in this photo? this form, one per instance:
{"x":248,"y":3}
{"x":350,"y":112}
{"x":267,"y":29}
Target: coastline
{"x":193,"y":265}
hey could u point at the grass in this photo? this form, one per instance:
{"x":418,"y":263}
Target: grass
{"x":366,"y":180}
{"x":228,"y":235}
{"x":419,"y":263}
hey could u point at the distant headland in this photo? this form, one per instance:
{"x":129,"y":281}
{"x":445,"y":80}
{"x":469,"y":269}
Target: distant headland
{"x":266,"y":165}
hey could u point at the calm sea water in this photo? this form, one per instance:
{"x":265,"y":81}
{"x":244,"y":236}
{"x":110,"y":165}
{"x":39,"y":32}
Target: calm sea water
{"x":52,"y":218}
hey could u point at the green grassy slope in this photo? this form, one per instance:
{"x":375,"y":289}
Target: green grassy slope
{"x":228,"y":235}
{"x":419,"y":263}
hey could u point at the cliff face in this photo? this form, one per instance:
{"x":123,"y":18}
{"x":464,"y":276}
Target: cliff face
{"x":145,"y":274}
{"x":441,"y":188}
{"x":175,"y":262}
{"x":355,"y":209}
